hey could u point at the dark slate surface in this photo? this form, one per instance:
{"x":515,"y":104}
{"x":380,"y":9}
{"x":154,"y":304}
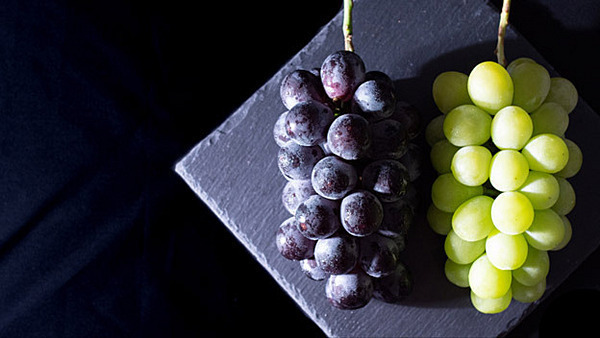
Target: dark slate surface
{"x":234,"y":172}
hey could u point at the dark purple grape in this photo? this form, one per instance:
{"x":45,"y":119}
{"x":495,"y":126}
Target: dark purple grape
{"x":307,"y":123}
{"x":378,"y":255}
{"x":389,"y":140}
{"x":318,"y":217}
{"x":361,"y":213}
{"x":333,"y":178}
{"x":337,"y":254}
{"x":374,"y":99}
{"x":341,"y":73}
{"x":296,"y":162}
{"x":349,"y":136}
{"x":291,"y":243}
{"x":301,"y":86}
{"x":380,"y":77}
{"x":409,"y":116}
{"x":295,"y":192}
{"x":349,"y":291}
{"x":398,"y":217}
{"x":312,"y":270}
{"x":395,"y":287}
{"x":279,"y":131}
{"x":412,"y":160}
{"x":387,"y":179}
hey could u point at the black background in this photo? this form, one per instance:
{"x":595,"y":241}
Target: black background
{"x":99,"y":99}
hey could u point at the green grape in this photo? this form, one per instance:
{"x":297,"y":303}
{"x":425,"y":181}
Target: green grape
{"x":506,"y":252}
{"x":531,"y":85}
{"x":550,"y":118}
{"x":517,"y":62}
{"x":448,"y":194}
{"x":439,"y":221}
{"x":566,"y":197}
{"x":450,"y":91}
{"x":547,"y":153}
{"x":467,"y":125}
{"x":472,"y":221}
{"x":441,"y":156}
{"x":511,"y":128}
{"x":568,"y":234}
{"x":563,"y":92}
{"x":434,"y":131}
{"x":575,"y":160}
{"x":534,"y":269}
{"x":491,"y":305}
{"x":528,"y":294}
{"x":508,"y":170}
{"x":542,"y":189}
{"x":490,"y":87}
{"x":461,"y":251}
{"x":546,"y":231}
{"x":457,"y":274}
{"x":512,"y":212}
{"x":471,"y":164}
{"x":486,"y":280}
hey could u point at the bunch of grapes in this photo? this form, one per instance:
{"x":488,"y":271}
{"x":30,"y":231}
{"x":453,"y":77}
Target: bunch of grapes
{"x":346,"y":152}
{"x":502,"y":195}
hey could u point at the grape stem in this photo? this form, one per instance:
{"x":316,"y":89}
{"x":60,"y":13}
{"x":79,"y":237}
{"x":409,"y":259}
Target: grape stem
{"x":502,"y":31}
{"x":347,"y":29}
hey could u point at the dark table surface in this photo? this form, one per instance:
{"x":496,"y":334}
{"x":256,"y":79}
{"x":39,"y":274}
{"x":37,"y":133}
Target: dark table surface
{"x":98,"y":100}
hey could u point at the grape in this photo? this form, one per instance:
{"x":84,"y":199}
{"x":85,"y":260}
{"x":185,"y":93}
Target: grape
{"x":512,"y":212}
{"x":350,"y":290}
{"x":528,"y":294}
{"x":550,"y":118}
{"x":349,"y":136}
{"x":279,"y":132}
{"x":471,"y":165}
{"x":378,"y":255}
{"x":337,"y":254}
{"x":296,"y":162}
{"x":448,"y":194}
{"x":490,"y":87}
{"x":380,"y":77}
{"x":434,"y":131}
{"x":566,"y":197}
{"x":541,"y":189}
{"x":472,"y":221}
{"x":461,"y":251}
{"x":361,"y":213}
{"x":333,"y":178}
{"x":506,"y":252}
{"x":450,"y":91}
{"x":301,"y":86}
{"x":534,"y":269}
{"x":387,"y":179}
{"x":563,"y":92}
{"x":547,"y":153}
{"x":395,"y":287}
{"x":568,"y":234}
{"x":574,"y":162}
{"x":508,"y":170}
{"x":374,"y":99}
{"x":457,"y":274}
{"x":397,"y":218}
{"x":486,"y":280}
{"x":546,"y":231}
{"x":341,"y":73}
{"x":291,"y":243}
{"x":511,"y":128}
{"x":491,"y":305}
{"x":412,"y":161}
{"x":409,"y":117}
{"x":517,"y":62}
{"x":467,"y":125}
{"x":295,"y":192}
{"x":312,"y":270}
{"x":389,"y":140}
{"x":441,"y":155}
{"x":307,"y":122}
{"x":317,"y":217}
{"x":531,"y":85}
{"x":439,"y":221}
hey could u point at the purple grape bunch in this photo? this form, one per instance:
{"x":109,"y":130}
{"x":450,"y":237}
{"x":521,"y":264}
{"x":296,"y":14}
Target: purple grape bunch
{"x":346,"y":151}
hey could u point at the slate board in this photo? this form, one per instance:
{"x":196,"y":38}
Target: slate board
{"x":234,"y":170}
